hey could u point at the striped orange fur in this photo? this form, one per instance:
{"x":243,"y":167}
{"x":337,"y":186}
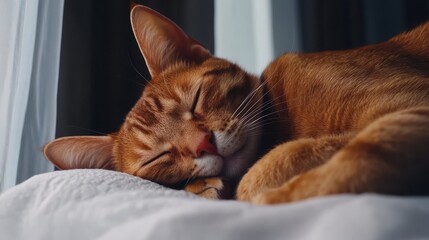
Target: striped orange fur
{"x":335,"y":122}
{"x":198,"y":116}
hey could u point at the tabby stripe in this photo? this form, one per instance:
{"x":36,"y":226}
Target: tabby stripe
{"x":164,"y":164}
{"x":142,"y":129}
{"x":147,"y":118}
{"x":173,"y":96}
{"x":139,"y":119}
{"x":150,"y":118}
{"x":149,"y":106}
{"x":244,"y":88}
{"x":153,"y":103}
{"x":219,"y":71}
{"x":158,"y":104}
{"x":142,"y":145}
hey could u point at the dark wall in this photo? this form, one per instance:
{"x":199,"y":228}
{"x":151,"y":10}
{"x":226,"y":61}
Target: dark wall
{"x":342,"y":24}
{"x":101,"y":69}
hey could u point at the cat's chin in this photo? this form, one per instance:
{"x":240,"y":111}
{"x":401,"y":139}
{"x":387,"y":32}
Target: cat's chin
{"x":208,"y":165}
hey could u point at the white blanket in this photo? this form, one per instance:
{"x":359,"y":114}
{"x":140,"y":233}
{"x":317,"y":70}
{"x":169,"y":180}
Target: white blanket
{"x":100,"y":204}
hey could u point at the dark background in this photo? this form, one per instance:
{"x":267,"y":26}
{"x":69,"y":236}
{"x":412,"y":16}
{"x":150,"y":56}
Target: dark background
{"x":101,"y":71}
{"x":101,"y":68}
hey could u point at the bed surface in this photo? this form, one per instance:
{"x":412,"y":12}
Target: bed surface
{"x":100,"y":204}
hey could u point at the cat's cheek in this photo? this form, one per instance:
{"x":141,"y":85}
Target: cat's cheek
{"x":208,"y":165}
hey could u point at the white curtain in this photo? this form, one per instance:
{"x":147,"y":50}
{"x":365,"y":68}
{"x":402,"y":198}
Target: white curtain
{"x":253,"y":32}
{"x":29,"y":64}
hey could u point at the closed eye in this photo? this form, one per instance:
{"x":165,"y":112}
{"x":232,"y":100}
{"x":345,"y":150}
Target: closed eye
{"x":194,"y":103}
{"x":155,"y":158}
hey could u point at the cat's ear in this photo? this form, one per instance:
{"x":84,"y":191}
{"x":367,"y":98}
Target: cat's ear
{"x":80,"y":152}
{"x":162,"y":42}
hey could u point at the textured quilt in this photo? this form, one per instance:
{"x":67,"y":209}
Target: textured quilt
{"x":100,"y":204}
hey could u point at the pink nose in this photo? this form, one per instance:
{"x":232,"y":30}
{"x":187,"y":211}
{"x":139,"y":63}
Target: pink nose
{"x":206,"y":146}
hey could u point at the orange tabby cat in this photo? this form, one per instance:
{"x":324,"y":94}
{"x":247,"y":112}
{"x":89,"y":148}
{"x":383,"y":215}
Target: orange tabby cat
{"x":350,"y":121}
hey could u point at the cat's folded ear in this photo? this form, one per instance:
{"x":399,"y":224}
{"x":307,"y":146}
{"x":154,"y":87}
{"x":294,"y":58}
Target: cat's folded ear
{"x":80,"y":152}
{"x":162,"y":42}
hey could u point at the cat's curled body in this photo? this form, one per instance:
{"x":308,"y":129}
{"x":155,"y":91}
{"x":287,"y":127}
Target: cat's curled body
{"x":345,"y":121}
{"x":355,"y":121}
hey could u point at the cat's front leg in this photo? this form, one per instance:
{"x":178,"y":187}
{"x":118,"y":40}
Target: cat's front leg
{"x":309,"y":184}
{"x":210,"y":188}
{"x":288,"y":160}
{"x":389,"y":156}
{"x":340,"y":174}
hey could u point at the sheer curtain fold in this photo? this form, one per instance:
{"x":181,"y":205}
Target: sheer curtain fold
{"x":253,"y":32}
{"x":29,"y":62}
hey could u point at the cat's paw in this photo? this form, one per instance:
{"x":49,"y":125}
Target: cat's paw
{"x":210,"y":188}
{"x":258,"y":179}
{"x":254,"y":181}
{"x":266,"y":198}
{"x":246,"y":189}
{"x":253,"y":184}
{"x":304,"y":186}
{"x":271,"y":197}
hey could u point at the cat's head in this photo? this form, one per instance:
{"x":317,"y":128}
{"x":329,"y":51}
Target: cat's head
{"x":198,"y":116}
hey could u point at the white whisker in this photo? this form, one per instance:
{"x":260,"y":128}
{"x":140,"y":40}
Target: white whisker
{"x":266,"y":115}
{"x":251,"y":95}
{"x":257,"y":109}
{"x":251,"y":117}
{"x":262,"y":97}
